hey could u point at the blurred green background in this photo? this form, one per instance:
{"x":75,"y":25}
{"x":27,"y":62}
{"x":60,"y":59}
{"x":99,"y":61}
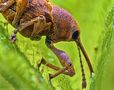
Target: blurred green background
{"x":96,"y":18}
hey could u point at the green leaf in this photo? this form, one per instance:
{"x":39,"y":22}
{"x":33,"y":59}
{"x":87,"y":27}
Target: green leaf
{"x":104,"y":79}
{"x":16,"y":69}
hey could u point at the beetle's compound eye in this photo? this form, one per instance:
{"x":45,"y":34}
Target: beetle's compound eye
{"x":75,"y":35}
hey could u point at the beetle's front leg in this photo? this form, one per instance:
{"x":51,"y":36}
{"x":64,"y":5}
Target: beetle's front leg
{"x":40,"y":25}
{"x":63,"y":58}
{"x":20,"y":8}
{"x":56,"y":68}
{"x":4,"y":6}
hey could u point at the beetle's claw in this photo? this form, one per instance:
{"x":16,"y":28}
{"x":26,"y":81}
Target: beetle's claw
{"x":50,"y":78}
{"x":39,"y":64}
{"x":13,"y":38}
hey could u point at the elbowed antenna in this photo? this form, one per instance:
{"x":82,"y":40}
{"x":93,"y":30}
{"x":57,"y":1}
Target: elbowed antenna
{"x":78,"y":41}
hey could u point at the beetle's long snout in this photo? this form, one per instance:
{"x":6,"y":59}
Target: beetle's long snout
{"x":78,"y":42}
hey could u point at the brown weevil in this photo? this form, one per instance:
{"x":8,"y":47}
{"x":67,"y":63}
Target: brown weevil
{"x":36,"y":18}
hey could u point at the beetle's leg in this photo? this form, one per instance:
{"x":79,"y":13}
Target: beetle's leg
{"x":20,"y":8}
{"x":21,"y":28}
{"x":43,"y":61}
{"x":36,"y":29}
{"x":13,"y":37}
{"x":4,"y":6}
{"x":63,"y":58}
{"x":40,"y":25}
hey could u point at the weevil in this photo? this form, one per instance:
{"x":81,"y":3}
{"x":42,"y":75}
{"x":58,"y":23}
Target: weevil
{"x":40,"y":18}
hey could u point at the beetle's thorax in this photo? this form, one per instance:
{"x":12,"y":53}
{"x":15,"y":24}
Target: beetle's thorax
{"x":64,"y":25}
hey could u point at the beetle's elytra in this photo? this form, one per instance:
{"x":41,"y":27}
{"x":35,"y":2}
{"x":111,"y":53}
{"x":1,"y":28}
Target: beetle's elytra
{"x":36,"y":18}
